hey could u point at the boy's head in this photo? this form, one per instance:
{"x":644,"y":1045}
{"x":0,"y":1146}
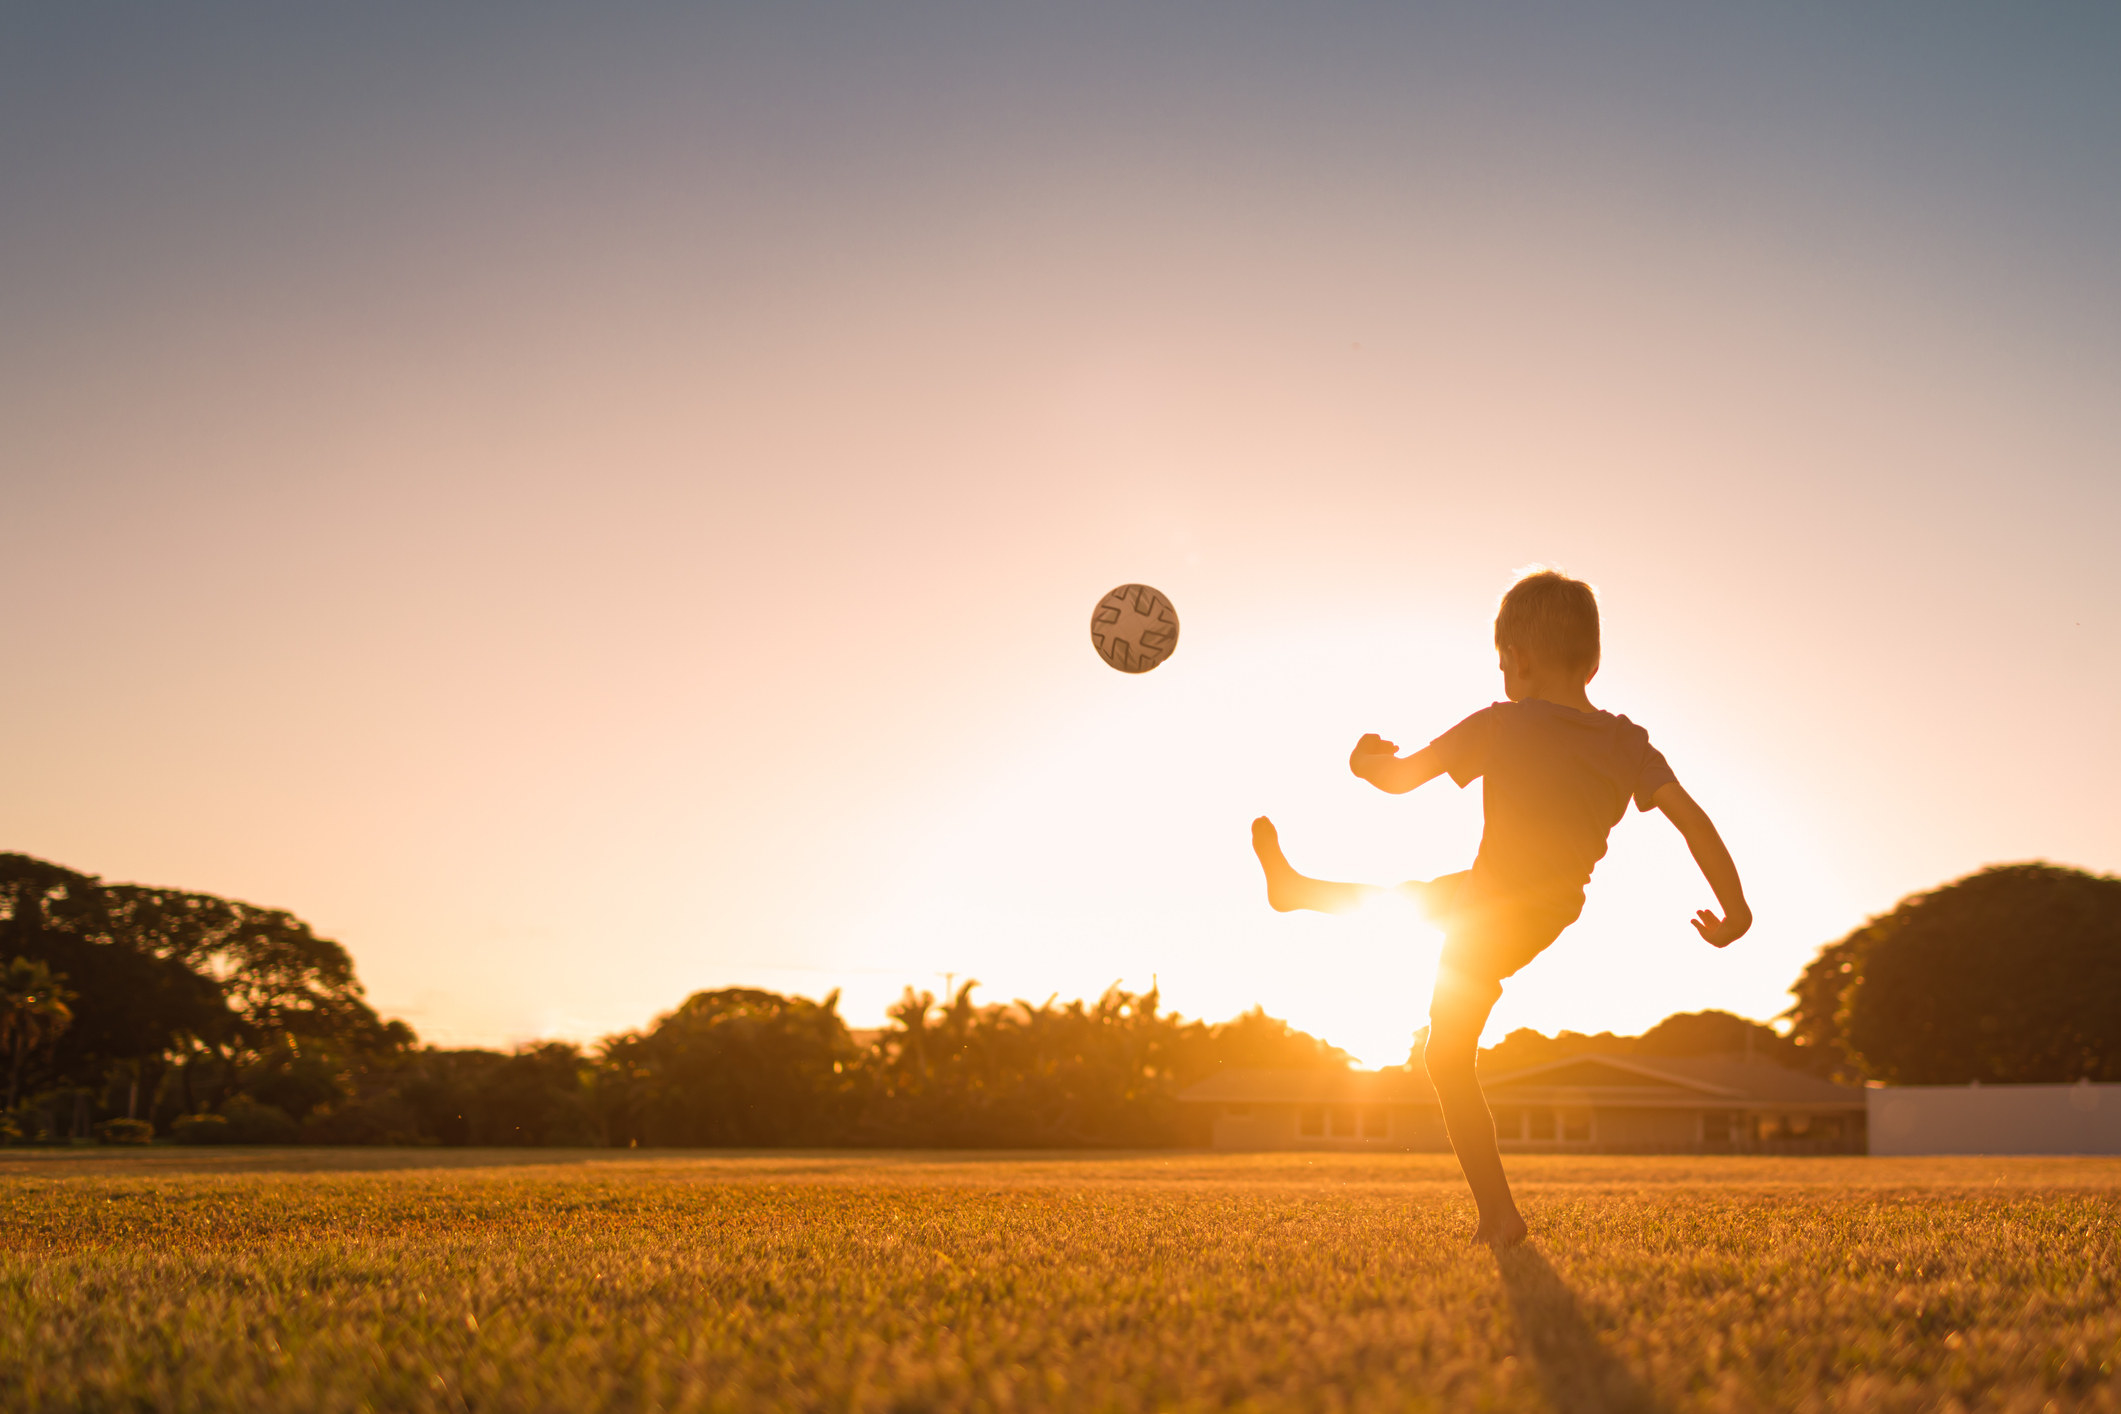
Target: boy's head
{"x":1549,"y":625}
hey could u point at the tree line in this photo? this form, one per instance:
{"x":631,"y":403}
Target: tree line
{"x":128,"y":1012}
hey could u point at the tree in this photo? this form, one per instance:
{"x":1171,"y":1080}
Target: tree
{"x":1255,"y":1040}
{"x":133,"y":1003}
{"x":277,"y":977}
{"x":1524,"y":1048}
{"x":732,"y":1067}
{"x":230,"y":993}
{"x":1021,"y":1075}
{"x":1105,"y":1073}
{"x":33,"y":1012}
{"x":1719,"y":1033}
{"x":1687,"y":1033}
{"x":539,"y":1095}
{"x":428,"y":1095}
{"x":2012,"y":974}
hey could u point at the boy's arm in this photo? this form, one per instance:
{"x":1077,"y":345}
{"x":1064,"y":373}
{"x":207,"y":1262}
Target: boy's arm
{"x":1716,"y":866}
{"x":1377,"y":761}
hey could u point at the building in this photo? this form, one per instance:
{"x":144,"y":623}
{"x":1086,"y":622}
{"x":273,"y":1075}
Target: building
{"x":1728,"y":1104}
{"x":1995,"y":1119}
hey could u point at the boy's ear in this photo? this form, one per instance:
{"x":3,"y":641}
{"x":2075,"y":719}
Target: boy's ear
{"x":1517,"y":660}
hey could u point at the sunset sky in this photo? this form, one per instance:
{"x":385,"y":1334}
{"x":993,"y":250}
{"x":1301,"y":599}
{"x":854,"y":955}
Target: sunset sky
{"x":584,"y":507}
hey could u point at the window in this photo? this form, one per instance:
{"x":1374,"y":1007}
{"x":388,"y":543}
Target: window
{"x":1375,"y":1122}
{"x":1343,"y":1121}
{"x":1311,"y":1120}
{"x":1542,"y":1124}
{"x":1509,"y":1124}
{"x":1576,"y":1127}
{"x":1238,"y":1111}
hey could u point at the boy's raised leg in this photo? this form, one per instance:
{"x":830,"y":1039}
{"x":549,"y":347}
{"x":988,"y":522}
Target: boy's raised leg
{"x":1457,"y":1015}
{"x":1288,"y":890}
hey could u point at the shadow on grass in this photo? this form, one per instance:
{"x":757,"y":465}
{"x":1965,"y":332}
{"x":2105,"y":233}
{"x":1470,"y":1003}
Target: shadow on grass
{"x":1580,"y":1375}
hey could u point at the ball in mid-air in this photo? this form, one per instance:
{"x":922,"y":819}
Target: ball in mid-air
{"x":1134,"y":628}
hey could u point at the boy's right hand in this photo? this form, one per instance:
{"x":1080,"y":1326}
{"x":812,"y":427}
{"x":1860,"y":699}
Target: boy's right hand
{"x":1370,"y":753}
{"x":1378,"y":761}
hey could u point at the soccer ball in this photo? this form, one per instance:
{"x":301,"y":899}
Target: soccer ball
{"x":1134,"y":628}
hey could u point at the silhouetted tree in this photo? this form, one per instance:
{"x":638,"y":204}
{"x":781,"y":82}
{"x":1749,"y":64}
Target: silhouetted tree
{"x":1106,"y":1073}
{"x":1526,"y":1047}
{"x":33,"y":1013}
{"x":2009,"y":975}
{"x":430,"y":1093}
{"x":279,"y":979}
{"x":735,"y":1067}
{"x":1719,"y":1033}
{"x":539,"y":1096}
{"x":1254,"y":1040}
{"x":1021,"y":1074}
{"x":1691,"y":1033}
{"x":133,"y":1004}
{"x":210,"y":994}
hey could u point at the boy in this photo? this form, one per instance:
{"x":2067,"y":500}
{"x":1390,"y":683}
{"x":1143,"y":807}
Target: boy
{"x":1559,"y":775}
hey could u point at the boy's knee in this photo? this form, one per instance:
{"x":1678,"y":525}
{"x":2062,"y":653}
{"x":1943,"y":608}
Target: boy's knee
{"x":1457,"y":1016}
{"x":1458,"y":1012}
{"x":1447,"y":1065}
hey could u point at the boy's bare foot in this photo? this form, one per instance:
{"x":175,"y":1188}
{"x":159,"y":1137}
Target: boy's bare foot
{"x":1502,"y":1232}
{"x":1285,"y":887}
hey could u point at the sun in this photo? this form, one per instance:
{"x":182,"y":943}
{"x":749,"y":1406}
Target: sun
{"x":1365,"y":986}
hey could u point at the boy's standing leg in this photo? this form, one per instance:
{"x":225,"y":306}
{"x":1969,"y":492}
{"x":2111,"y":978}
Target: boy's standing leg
{"x":1458,"y":1013}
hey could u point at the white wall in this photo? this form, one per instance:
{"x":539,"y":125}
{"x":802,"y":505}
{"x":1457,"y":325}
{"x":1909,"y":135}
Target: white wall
{"x":1995,"y":1119}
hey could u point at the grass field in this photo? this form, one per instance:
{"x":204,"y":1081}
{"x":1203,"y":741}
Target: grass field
{"x":396,"y":1280}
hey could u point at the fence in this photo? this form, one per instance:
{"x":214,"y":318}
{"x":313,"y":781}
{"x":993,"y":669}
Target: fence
{"x":1995,"y":1119}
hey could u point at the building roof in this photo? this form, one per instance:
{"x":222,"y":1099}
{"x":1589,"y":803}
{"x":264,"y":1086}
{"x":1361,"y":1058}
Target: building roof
{"x":1669,"y":1081}
{"x":1392,"y":1086}
{"x":1631,"y":1081}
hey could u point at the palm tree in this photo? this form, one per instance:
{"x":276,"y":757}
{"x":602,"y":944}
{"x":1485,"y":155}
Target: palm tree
{"x":33,"y":1011}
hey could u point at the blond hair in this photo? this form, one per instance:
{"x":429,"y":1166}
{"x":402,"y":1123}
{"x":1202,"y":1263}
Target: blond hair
{"x":1551,"y":617}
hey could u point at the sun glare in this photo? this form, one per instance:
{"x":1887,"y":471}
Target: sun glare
{"x":1364,"y":984}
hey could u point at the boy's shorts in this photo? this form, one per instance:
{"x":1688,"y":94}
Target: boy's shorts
{"x":1488,"y":939}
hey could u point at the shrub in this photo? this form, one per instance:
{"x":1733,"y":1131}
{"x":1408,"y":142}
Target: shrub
{"x":250,"y":1122}
{"x":200,"y":1129}
{"x":125,"y":1131}
{"x":384,"y":1120}
{"x":10,"y":1131}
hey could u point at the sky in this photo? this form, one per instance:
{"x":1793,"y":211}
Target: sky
{"x":584,"y":505}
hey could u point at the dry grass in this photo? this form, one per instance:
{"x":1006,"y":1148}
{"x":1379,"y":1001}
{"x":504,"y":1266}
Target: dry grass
{"x":350,"y":1280}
